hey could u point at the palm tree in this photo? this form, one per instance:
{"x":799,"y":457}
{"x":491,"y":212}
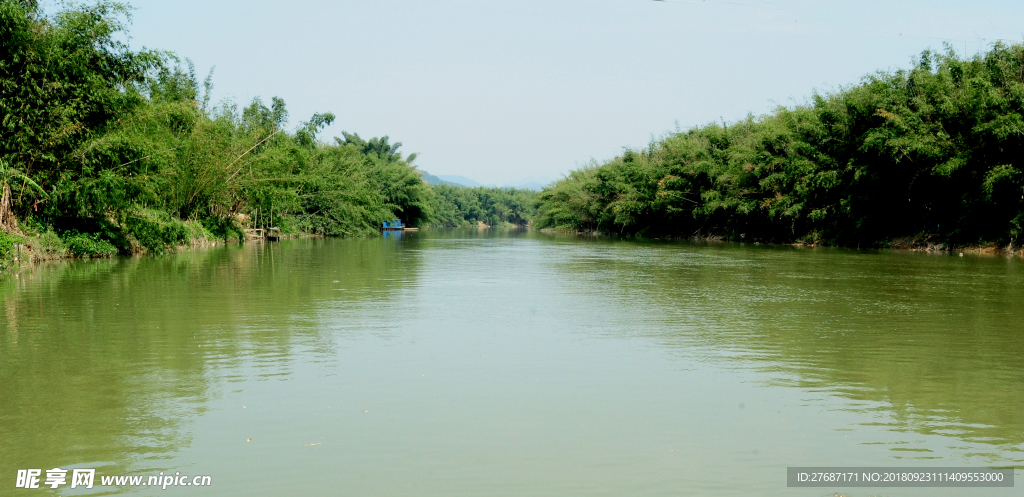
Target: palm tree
{"x":378,"y":146}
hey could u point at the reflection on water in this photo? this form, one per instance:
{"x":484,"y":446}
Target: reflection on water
{"x":104,"y":363}
{"x":456,"y":362}
{"x":938,"y":341}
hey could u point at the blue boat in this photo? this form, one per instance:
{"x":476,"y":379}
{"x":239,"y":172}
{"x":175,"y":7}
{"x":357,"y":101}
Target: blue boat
{"x":395,"y":225}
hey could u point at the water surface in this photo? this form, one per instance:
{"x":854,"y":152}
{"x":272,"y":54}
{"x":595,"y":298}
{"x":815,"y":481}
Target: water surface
{"x":448,"y":363}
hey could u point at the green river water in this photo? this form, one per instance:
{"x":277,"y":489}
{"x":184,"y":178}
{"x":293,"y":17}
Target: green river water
{"x":490,"y":363}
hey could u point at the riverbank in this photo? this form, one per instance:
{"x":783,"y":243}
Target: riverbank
{"x":925,"y":245}
{"x":910,"y":244}
{"x":20,"y":250}
{"x":929,"y":149}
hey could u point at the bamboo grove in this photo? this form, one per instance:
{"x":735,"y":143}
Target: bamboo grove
{"x":931,"y":153}
{"x":106,"y":150}
{"x":457,"y":206}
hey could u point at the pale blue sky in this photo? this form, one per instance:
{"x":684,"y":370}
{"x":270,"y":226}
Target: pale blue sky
{"x":507,"y":91}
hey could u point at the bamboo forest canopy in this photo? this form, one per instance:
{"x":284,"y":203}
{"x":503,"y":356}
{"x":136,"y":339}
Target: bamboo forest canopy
{"x":932,"y":152}
{"x":114,"y":150}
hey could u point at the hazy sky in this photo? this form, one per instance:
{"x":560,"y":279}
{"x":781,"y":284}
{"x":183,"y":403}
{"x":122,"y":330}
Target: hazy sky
{"x":508,"y":91}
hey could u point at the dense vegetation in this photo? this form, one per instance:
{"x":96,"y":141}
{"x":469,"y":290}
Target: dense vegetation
{"x":105,"y":150}
{"x":932,"y":153}
{"x":456,"y":206}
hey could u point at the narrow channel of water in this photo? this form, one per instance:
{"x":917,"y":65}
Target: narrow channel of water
{"x":464,"y":362}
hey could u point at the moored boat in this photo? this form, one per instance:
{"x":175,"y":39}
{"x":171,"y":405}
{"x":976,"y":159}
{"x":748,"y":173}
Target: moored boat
{"x":396,"y":225}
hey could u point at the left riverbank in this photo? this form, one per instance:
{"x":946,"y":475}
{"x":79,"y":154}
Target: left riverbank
{"x":18,"y":251}
{"x":124,"y":153}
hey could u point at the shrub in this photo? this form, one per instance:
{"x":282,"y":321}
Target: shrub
{"x":88,"y":245}
{"x":155,"y":231}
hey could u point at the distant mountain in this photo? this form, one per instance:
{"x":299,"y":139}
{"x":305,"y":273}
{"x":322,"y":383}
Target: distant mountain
{"x":459,"y":180}
{"x":434,"y":180}
{"x":446,"y":179}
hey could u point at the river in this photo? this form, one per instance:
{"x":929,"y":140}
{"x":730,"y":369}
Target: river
{"x":487,"y":363}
